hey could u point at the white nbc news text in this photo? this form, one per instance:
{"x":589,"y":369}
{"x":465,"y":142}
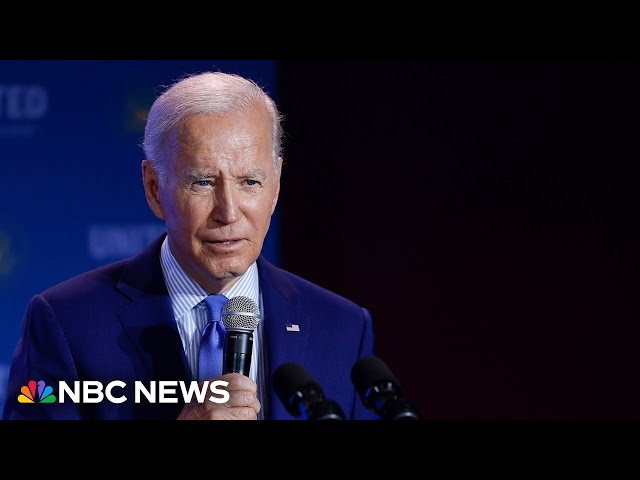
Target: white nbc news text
{"x":163,"y":391}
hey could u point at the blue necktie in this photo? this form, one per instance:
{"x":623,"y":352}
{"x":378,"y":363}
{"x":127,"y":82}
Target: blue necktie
{"x":212,"y":342}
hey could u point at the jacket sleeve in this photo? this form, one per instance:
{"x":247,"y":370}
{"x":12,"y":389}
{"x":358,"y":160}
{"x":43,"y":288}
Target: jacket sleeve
{"x":42,"y":354}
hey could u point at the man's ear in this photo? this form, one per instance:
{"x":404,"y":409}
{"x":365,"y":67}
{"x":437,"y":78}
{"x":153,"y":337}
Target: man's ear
{"x":151,"y":184}
{"x":275,"y":197}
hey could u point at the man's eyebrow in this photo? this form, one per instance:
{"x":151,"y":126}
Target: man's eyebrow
{"x":257,"y":173}
{"x":194,"y":175}
{"x":199,"y":175}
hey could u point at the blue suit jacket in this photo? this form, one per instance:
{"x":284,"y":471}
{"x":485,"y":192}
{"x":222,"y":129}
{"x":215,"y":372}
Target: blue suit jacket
{"x":116,"y":323}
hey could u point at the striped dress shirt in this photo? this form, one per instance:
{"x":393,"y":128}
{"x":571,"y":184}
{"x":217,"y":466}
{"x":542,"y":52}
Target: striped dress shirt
{"x":190,"y":313}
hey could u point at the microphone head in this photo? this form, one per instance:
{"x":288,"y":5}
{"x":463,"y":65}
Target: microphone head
{"x":288,"y":380}
{"x":370,"y":371}
{"x":240,"y":313}
{"x":302,"y":395}
{"x":379,"y":391}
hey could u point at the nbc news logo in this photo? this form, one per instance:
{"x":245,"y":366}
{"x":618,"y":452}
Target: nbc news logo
{"x":92,"y":391}
{"x":28,"y":393}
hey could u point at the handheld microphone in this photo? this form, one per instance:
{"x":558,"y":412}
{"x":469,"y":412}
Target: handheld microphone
{"x":302,"y":395}
{"x":240,"y":317}
{"x":379,"y":390}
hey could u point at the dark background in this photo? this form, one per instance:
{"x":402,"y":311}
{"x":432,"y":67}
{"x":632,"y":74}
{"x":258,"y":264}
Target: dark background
{"x":485,"y":213}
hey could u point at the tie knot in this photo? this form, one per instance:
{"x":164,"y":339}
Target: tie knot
{"x":214,"y":304}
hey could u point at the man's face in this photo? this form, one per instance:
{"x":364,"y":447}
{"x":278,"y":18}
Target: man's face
{"x":220,"y":193}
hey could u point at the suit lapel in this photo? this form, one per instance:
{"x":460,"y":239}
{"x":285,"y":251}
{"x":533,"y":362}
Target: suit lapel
{"x":282,"y":307}
{"x":148,"y":320}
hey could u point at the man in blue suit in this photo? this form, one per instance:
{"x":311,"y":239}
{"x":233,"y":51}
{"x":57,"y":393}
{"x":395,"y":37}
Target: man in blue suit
{"x":212,"y":173}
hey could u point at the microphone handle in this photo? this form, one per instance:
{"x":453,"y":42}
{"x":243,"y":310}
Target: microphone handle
{"x":238,"y":345}
{"x":325,"y":410}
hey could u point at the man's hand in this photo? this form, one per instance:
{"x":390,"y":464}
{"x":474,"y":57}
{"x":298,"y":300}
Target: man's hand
{"x":243,"y":403}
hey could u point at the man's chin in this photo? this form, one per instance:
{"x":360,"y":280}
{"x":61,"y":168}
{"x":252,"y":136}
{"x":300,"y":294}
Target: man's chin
{"x":226,"y":269}
{"x":216,"y":281}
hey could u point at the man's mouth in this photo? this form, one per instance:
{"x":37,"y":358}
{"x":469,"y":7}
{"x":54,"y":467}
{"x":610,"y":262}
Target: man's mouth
{"x":226,"y":242}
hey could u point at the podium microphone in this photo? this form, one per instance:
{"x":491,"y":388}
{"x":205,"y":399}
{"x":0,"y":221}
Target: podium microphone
{"x":379,"y":390}
{"x":302,"y":395}
{"x":240,"y":317}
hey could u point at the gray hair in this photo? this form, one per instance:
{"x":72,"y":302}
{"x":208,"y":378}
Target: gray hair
{"x":216,"y":93}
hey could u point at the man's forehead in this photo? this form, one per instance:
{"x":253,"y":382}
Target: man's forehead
{"x":223,"y":134}
{"x":250,"y":116}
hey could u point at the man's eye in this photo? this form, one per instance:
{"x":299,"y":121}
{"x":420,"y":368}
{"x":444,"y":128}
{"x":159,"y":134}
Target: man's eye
{"x":202,"y":183}
{"x":252,"y":182}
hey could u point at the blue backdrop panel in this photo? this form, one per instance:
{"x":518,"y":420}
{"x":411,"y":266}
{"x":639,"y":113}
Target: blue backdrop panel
{"x":71,"y":196}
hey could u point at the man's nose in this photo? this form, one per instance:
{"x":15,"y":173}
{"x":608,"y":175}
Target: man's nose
{"x":225,"y":209}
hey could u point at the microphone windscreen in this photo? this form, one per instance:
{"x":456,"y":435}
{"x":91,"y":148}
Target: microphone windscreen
{"x":240,"y":313}
{"x":289,"y":378}
{"x":370,"y":371}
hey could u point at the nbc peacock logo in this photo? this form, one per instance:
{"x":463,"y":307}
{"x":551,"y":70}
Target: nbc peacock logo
{"x":28,"y":393}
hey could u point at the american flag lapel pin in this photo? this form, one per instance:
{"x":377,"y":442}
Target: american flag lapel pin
{"x":292,"y":327}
